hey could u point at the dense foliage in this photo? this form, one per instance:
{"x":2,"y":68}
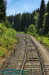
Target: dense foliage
{"x":7,"y":39}
{"x":41,"y":24}
{"x":31,"y":30}
{"x":39,"y":17}
{"x":44,"y":40}
{"x":2,"y":10}
{"x":7,"y":33}
{"x":22,"y":22}
{"x":46,"y":26}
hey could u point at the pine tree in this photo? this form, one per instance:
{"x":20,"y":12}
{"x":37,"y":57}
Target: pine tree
{"x":46,"y":27}
{"x":18,"y":22}
{"x":41,"y":17}
{"x":33,"y":20}
{"x":15,"y":22}
{"x":2,"y":10}
{"x":48,"y":7}
{"x":37,"y":10}
{"x":23,"y":21}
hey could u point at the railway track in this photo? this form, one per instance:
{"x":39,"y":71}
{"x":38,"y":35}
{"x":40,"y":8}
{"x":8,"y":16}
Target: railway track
{"x":30,"y":62}
{"x":33,"y":61}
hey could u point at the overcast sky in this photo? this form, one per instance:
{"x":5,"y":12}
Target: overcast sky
{"x":20,"y":6}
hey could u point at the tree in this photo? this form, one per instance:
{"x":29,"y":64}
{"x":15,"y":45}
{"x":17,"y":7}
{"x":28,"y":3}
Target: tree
{"x":46,"y":27}
{"x":37,"y":10}
{"x":23,"y":21}
{"x":15,"y":24}
{"x":32,"y":18}
{"x":48,"y":7}
{"x":41,"y":17}
{"x":7,"y":24}
{"x":32,"y":29}
{"x":2,"y":10}
{"x":18,"y":22}
{"x":36,"y":18}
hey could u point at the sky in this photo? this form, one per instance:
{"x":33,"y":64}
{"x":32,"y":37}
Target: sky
{"x":22,"y":6}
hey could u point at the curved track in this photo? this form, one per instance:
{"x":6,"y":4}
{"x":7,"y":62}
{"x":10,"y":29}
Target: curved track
{"x":33,"y":61}
{"x":28,"y":58}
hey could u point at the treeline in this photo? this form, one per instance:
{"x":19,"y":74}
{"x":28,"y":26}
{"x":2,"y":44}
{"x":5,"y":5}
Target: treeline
{"x":21,"y":22}
{"x":39,"y":17}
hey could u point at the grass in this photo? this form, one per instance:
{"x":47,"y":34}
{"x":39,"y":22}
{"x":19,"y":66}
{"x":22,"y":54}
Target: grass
{"x":21,"y":32}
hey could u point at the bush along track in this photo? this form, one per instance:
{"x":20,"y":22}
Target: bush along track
{"x":42,"y":39}
{"x":8,"y":40}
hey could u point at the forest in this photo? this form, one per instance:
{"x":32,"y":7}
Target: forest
{"x":39,"y":18}
{"x":35,"y":24}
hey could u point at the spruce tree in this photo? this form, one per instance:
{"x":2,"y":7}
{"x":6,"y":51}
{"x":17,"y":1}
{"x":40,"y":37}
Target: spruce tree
{"x":33,"y":20}
{"x":2,"y":10}
{"x":41,"y":17}
{"x":18,"y":22}
{"x":48,"y":7}
{"x":46,"y":27}
{"x":23,"y":21}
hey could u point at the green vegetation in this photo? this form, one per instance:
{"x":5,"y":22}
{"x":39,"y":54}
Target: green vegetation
{"x":44,"y":40}
{"x":35,"y":23}
{"x":3,"y":51}
{"x":2,"y":10}
{"x":7,"y":33}
{"x":31,"y":30}
{"x":21,"y":32}
{"x":41,"y":17}
{"x":21,"y":22}
{"x":7,"y":24}
{"x":7,"y":39}
{"x":40,"y":29}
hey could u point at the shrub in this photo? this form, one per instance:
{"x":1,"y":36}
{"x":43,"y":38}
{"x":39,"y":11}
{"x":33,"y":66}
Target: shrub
{"x":8,"y":39}
{"x":44,"y":40}
{"x":7,"y":24}
{"x":32,"y":30}
{"x":2,"y":29}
